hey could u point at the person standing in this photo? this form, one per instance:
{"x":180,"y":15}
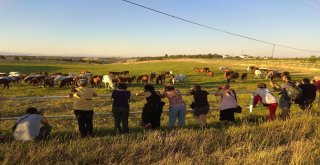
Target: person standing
{"x":309,"y":94}
{"x":200,"y":104}
{"x":152,"y":110}
{"x":120,"y":108}
{"x":177,"y":107}
{"x":28,"y":127}
{"x":228,"y":104}
{"x":284,"y":102}
{"x":263,"y":95}
{"x":83,"y":106}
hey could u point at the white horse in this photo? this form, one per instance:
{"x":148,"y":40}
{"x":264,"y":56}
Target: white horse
{"x":258,"y":74}
{"x":106,"y":79}
{"x":221,"y":68}
{"x":179,"y":78}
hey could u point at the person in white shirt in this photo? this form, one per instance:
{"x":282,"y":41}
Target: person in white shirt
{"x":28,"y":127}
{"x":263,"y":95}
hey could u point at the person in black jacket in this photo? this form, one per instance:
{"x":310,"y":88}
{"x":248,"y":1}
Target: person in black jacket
{"x":309,"y":93}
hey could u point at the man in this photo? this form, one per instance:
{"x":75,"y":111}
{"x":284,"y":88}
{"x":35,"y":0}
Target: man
{"x":284,"y":102}
{"x":83,"y":107}
{"x":28,"y":128}
{"x":309,"y":94}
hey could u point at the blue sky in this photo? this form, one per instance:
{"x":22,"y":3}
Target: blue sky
{"x":116,"y":28}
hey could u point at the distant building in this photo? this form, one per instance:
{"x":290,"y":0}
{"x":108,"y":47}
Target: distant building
{"x":245,"y":56}
{"x":226,"y":56}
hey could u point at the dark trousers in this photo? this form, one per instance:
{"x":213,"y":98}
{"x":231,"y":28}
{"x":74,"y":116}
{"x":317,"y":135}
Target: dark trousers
{"x":121,"y":115}
{"x":306,"y":104}
{"x":44,"y":132}
{"x":84,"y":122}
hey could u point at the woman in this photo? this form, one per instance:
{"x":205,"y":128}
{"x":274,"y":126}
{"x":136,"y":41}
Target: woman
{"x":228,"y":104}
{"x":83,"y":106}
{"x":120,"y":108}
{"x":152,"y":110}
{"x":200,"y":104}
{"x":177,"y":107}
{"x":263,"y":95}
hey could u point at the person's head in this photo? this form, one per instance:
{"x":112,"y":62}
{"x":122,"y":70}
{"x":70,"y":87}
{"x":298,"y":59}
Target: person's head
{"x":168,"y":87}
{"x":82,"y":82}
{"x":306,"y":81}
{"x":122,"y":86}
{"x":262,"y":85}
{"x":197,"y":87}
{"x":148,"y":87}
{"x":32,"y":110}
{"x":286,"y":78}
{"x":225,"y":86}
{"x":285,"y":73}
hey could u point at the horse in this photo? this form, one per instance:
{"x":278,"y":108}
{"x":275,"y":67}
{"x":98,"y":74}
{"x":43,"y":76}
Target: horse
{"x":160,"y":79}
{"x":178,"y":78}
{"x":152,"y":76}
{"x":244,"y":76}
{"x":126,"y":79}
{"x":125,"y":72}
{"x":39,"y":78}
{"x":221,"y":68}
{"x":210,"y":73}
{"x":49,"y":81}
{"x":5,"y":81}
{"x":106,"y":79}
{"x":67,"y":82}
{"x":143,"y":79}
{"x":96,"y":80}
{"x":34,"y":81}
{"x":273,"y":74}
{"x":116,"y":73}
{"x":257,"y":74}
{"x":231,"y":75}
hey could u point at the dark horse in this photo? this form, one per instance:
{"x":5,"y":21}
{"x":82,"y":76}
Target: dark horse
{"x":5,"y":82}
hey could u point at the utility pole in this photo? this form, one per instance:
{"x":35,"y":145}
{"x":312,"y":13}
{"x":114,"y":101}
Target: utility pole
{"x":274,"y":45}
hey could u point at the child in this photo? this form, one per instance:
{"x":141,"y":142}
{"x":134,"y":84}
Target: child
{"x":263,"y":95}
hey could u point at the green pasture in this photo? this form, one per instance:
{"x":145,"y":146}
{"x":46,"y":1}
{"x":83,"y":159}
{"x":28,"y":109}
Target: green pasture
{"x":137,"y":147}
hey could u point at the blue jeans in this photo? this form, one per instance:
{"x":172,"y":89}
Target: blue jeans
{"x":177,"y":111}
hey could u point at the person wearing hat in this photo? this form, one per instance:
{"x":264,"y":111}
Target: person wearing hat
{"x":83,"y":106}
{"x":28,"y":127}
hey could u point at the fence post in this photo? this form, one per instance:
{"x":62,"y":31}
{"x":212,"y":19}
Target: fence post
{"x":251,"y":102}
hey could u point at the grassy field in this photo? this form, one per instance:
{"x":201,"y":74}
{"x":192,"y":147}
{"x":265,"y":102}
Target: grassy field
{"x":252,"y":140}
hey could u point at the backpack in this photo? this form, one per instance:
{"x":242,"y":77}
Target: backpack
{"x":294,"y":92}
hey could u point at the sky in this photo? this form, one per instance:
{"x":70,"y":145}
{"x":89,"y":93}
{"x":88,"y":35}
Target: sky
{"x":116,"y":28}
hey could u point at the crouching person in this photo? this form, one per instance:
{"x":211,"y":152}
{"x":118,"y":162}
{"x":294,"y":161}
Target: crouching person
{"x":28,"y":127}
{"x":263,"y":95}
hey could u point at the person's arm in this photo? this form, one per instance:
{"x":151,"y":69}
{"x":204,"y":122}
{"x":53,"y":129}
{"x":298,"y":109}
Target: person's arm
{"x":218,"y":92}
{"x":275,"y":86}
{"x":44,"y":121}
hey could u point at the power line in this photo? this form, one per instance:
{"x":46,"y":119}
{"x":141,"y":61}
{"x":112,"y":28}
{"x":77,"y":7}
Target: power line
{"x":220,"y":30}
{"x":309,"y":5}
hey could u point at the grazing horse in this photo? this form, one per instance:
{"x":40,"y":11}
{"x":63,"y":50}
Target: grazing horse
{"x":49,"y":81}
{"x":96,"y":80}
{"x":143,"y":78}
{"x":5,"y":81}
{"x":152,"y":76}
{"x":126,"y":79}
{"x":125,"y":72}
{"x":39,"y":78}
{"x":178,"y":78}
{"x":160,"y":79}
{"x":108,"y":82}
{"x":67,"y":82}
{"x":231,"y":75}
{"x":244,"y":76}
{"x":131,"y":79}
{"x":14,"y":79}
{"x":221,"y":68}
{"x":273,"y":74}
{"x":210,"y":73}
{"x":116,"y":73}
{"x":34,"y":81}
{"x":257,"y":74}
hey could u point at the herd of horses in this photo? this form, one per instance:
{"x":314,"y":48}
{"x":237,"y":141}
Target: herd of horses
{"x":46,"y":80}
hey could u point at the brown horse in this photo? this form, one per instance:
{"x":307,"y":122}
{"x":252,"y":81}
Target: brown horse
{"x":210,"y":73}
{"x":49,"y":81}
{"x":244,"y":76}
{"x":96,"y":80}
{"x":160,"y":79}
{"x":5,"y":82}
{"x":152,"y":76}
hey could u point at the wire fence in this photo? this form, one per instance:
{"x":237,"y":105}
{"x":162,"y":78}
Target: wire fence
{"x":250,"y":107}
